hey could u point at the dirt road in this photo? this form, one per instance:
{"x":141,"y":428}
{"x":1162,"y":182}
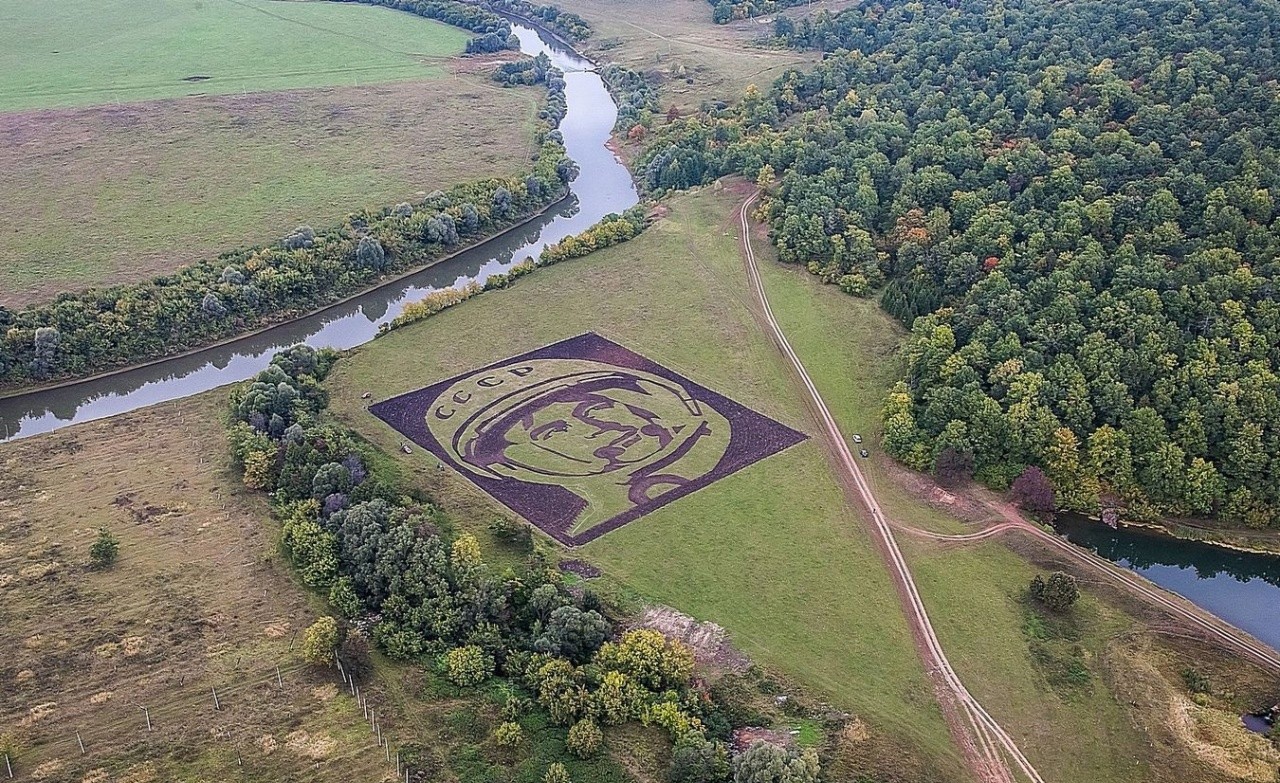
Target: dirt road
{"x":988,"y":749}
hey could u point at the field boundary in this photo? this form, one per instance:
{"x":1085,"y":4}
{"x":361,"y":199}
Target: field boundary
{"x":290,"y":318}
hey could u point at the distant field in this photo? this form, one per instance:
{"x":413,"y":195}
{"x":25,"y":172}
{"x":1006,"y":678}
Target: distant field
{"x":85,"y":52}
{"x":676,"y":41}
{"x":113,"y":194}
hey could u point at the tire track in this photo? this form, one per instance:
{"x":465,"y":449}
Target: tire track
{"x":986,"y":746}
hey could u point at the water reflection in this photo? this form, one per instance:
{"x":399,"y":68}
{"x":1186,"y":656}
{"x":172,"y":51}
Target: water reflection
{"x":1240,"y":587}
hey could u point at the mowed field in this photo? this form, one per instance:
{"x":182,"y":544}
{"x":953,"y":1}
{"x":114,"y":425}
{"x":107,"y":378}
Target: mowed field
{"x":775,"y":554}
{"x":87,"y":52}
{"x":120,"y":191}
{"x":199,"y":599}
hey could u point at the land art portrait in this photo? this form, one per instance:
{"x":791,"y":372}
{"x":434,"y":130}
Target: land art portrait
{"x":583,"y":436}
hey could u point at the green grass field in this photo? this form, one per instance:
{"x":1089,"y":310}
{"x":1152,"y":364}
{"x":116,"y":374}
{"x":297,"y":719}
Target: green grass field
{"x":774,"y":553}
{"x":84,"y":52}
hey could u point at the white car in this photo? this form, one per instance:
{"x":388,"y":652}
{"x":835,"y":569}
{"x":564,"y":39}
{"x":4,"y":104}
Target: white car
{"x":857,"y":438}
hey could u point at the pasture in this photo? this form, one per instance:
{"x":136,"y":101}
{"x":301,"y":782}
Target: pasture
{"x":675,"y":44}
{"x":106,"y":194}
{"x":88,"y":52}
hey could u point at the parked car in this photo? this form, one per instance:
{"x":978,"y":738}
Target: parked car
{"x":857,"y":438}
{"x":864,"y":453}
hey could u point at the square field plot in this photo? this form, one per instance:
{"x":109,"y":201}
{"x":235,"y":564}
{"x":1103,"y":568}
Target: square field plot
{"x":583,"y":436}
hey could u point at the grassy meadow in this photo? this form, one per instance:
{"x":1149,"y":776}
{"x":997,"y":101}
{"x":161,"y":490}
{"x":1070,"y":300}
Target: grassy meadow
{"x":114,"y":169}
{"x":112,"y":194}
{"x":87,"y":52}
{"x":774,"y":553}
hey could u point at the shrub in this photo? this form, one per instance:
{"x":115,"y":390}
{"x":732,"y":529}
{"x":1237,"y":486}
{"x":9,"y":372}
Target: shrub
{"x":468,"y":666}
{"x":319,"y":641}
{"x":508,"y":734}
{"x":355,"y":656}
{"x":584,"y":738}
{"x":556,"y":773}
{"x":1059,"y":592}
{"x":699,"y":761}
{"x":766,"y":763}
{"x":104,"y":550}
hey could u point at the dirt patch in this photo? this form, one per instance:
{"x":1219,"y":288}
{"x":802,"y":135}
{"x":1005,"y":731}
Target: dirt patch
{"x":580,"y":568}
{"x":710,"y":642}
{"x":313,"y":747}
{"x":746,"y":737}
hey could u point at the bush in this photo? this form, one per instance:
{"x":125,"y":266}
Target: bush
{"x":584,"y":739}
{"x":766,"y":763}
{"x":699,"y":761}
{"x":1059,"y":592}
{"x":104,"y":550}
{"x":556,"y":773}
{"x":354,"y":655}
{"x":319,"y":641}
{"x":468,"y":666}
{"x":508,"y":735}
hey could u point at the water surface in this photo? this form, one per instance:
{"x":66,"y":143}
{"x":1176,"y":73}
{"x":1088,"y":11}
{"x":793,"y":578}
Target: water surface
{"x":1240,"y":587}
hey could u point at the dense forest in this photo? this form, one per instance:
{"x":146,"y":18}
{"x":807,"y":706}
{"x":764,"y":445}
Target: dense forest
{"x":1074,"y":205}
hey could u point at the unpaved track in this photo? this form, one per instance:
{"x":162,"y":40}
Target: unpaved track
{"x":1207,"y":624}
{"x":988,"y":749}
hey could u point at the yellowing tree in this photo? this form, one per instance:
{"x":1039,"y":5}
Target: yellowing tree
{"x":319,"y":641}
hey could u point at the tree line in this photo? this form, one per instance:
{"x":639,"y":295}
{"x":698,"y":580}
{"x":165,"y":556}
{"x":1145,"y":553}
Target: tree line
{"x":396,"y":565}
{"x":612,"y":229}
{"x":566,"y":24}
{"x":494,"y":31}
{"x":1074,"y":206}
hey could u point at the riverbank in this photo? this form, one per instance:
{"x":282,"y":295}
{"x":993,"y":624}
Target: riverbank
{"x":1258,"y":542}
{"x":604,"y":186}
{"x":284,"y":318}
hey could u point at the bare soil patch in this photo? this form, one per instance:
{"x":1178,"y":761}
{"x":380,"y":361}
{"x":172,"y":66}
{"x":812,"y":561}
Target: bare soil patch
{"x":710,"y":642}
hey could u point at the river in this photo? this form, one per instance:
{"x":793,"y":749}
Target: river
{"x":604,"y":185}
{"x":1242,"y":588}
